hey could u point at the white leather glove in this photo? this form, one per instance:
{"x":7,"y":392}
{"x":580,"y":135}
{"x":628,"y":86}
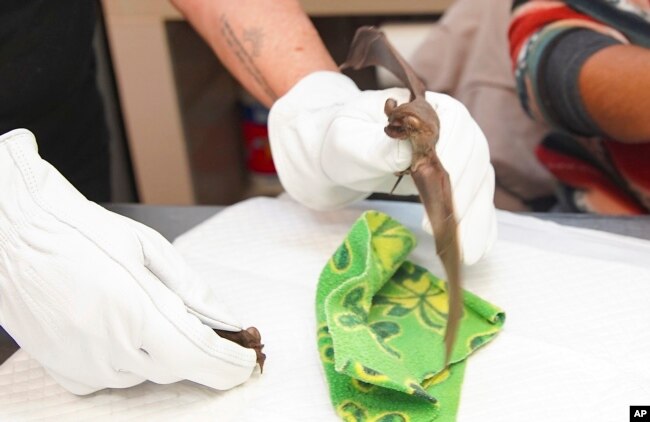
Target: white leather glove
{"x":98,"y":299}
{"x":330,"y":149}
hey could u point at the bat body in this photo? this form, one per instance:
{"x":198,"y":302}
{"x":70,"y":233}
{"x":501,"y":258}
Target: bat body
{"x":417,"y":122}
{"x":249,"y":338}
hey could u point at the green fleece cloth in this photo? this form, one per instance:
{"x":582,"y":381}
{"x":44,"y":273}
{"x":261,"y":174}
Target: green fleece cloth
{"x":381,"y":322}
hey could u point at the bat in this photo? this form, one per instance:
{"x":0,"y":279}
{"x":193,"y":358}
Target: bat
{"x":417,"y":122}
{"x":249,"y":338}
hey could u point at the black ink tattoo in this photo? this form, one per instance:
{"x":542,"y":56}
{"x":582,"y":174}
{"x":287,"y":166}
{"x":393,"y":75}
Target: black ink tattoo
{"x":254,"y":37}
{"x":246,"y":59}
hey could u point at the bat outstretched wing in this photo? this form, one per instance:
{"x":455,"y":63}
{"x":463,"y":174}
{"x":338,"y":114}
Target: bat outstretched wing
{"x":370,"y":47}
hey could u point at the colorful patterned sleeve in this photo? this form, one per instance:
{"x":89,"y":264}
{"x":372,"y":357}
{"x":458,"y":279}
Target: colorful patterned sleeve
{"x":538,"y":26}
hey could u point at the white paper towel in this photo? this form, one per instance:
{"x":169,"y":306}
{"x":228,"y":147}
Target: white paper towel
{"x":574,"y":346}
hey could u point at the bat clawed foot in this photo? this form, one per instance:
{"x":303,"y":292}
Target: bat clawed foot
{"x":400,"y":175}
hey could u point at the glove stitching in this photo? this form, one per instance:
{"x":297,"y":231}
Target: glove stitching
{"x":320,"y":154}
{"x":11,"y":231}
{"x":49,"y":320}
{"x":458,"y":180}
{"x":471,"y":205}
{"x":31,"y":303}
{"x":30,"y":182}
{"x":444,"y":145}
{"x":476,"y":189}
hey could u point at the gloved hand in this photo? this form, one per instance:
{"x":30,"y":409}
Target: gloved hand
{"x":98,"y":299}
{"x":330,"y":149}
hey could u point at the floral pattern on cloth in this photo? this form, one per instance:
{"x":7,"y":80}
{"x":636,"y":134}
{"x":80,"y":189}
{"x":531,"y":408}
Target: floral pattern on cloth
{"x":381,"y":328}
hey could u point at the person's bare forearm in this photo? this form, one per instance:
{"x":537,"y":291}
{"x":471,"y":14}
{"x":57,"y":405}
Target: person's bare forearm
{"x":267,"y":45}
{"x":615,"y":88}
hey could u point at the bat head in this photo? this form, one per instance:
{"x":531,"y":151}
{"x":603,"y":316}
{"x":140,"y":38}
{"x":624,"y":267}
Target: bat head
{"x":403,"y":121}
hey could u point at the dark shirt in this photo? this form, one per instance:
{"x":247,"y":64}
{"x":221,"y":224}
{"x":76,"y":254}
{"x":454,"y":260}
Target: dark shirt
{"x":47,"y":85}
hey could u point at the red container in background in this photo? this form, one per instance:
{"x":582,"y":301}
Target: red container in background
{"x":258,"y":149}
{"x":256,"y":137}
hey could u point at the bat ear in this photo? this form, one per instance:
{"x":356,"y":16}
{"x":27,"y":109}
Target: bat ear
{"x":412,"y":122}
{"x":389,"y":106}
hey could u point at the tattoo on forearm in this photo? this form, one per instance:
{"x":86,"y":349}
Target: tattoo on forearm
{"x":254,"y":36}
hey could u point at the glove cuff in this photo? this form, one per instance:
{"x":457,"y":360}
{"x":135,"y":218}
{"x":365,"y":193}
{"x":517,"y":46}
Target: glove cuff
{"x":7,"y":137}
{"x":317,"y":90}
{"x":15,"y":147}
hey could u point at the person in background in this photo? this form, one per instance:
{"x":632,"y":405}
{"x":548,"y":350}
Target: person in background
{"x":47,"y":84}
{"x":102,"y":301}
{"x":465,"y":54}
{"x":591,"y":102}
{"x":583,"y":68}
